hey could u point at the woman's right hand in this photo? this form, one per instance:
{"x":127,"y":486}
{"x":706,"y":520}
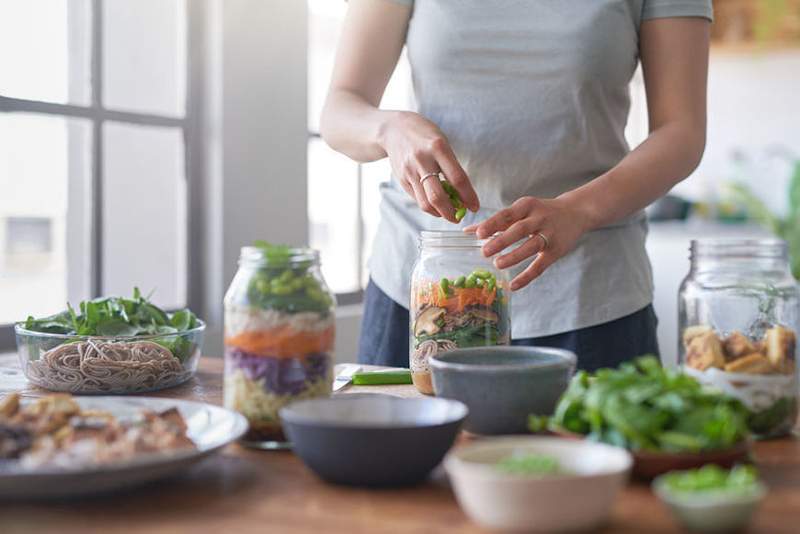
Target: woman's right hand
{"x":417,"y":148}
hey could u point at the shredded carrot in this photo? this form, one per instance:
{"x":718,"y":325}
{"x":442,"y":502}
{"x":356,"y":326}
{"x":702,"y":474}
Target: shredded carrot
{"x":458,"y":299}
{"x":283,"y":342}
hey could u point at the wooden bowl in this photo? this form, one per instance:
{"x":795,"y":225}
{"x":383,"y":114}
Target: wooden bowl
{"x":648,"y":464}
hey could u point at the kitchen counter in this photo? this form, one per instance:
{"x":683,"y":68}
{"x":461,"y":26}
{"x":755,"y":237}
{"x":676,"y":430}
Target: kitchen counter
{"x":243,"y":490}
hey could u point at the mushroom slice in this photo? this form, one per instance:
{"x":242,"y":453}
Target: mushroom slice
{"x":426,"y":321}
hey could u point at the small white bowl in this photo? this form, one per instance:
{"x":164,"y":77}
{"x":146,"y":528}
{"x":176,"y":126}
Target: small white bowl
{"x":711,"y":512}
{"x":580,"y":499}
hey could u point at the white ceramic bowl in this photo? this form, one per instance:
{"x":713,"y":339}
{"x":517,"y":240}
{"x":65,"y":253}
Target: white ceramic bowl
{"x":580,"y":499}
{"x":712,"y":511}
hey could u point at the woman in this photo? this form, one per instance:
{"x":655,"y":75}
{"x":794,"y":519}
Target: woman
{"x":522,"y":107}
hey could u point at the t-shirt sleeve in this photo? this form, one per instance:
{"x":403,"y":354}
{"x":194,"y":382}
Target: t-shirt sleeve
{"x":659,"y":9}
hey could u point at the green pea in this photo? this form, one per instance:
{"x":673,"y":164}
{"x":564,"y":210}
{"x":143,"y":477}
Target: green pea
{"x":479,"y":282}
{"x":296,"y":284}
{"x":286,"y":276}
{"x":262,"y":285}
{"x":460,"y":213}
{"x":460,"y":281}
{"x":314,"y":294}
{"x":282,"y":290}
{"x":482,"y":273}
{"x":310,"y":281}
{"x":445,"y":283}
{"x":491,"y":284}
{"x":442,"y":292}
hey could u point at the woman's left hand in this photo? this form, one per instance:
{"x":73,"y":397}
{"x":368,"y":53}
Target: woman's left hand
{"x":549,"y":229}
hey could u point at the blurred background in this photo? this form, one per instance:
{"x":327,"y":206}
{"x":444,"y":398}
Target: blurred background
{"x":142,"y":142}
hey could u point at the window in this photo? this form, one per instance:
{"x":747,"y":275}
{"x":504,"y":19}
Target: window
{"x":343,"y":195}
{"x":94,"y":134}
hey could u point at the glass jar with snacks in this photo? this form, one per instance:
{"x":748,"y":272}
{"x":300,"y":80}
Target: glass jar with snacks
{"x":738,"y":320}
{"x":279,"y":334}
{"x":458,"y":299}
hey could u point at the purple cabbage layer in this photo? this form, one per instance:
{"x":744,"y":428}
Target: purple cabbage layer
{"x":282,"y":376}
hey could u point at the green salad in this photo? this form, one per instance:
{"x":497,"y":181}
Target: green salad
{"x":644,"y":406}
{"x":121,"y":317}
{"x":283,"y":283}
{"x":742,"y":479}
{"x":529,"y":464}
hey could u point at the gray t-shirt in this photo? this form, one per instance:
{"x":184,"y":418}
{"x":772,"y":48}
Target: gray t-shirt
{"x":533,"y":96}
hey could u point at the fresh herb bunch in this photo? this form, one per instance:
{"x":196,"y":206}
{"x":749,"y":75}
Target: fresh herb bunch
{"x":642,"y":405}
{"x":285,"y":284}
{"x":712,"y":478}
{"x":121,"y":317}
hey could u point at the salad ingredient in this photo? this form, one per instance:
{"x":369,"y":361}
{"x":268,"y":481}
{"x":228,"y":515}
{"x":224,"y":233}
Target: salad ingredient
{"x":760,"y":373}
{"x":107,"y":367}
{"x":455,"y":199}
{"x":461,"y":311}
{"x":530,"y":464}
{"x":712,"y":478}
{"x":55,"y":432}
{"x":644,"y":406}
{"x":279,"y":337}
{"x":377,"y":378}
{"x":121,"y":317}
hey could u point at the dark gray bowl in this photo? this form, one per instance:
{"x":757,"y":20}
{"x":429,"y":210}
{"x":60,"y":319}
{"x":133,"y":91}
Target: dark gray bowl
{"x":502,"y":386}
{"x":372,"y":440}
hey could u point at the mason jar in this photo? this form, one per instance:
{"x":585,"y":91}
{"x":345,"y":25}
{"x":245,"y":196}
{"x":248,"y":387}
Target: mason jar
{"x":279,"y":336}
{"x":738,"y":320}
{"x":458,"y":299}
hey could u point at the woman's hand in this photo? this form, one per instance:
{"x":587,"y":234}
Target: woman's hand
{"x":417,"y":149}
{"x":547,"y":228}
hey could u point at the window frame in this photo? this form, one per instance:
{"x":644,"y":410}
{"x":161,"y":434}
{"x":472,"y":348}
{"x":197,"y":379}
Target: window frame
{"x":97,"y":115}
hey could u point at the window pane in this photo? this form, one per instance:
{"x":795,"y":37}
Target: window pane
{"x":144,"y":212}
{"x":44,"y":50}
{"x":333,"y":213}
{"x":324,"y":26}
{"x":34,"y":223}
{"x":144,"y":56}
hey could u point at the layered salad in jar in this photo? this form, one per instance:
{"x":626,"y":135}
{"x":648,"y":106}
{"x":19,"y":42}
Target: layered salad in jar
{"x":279,"y":337}
{"x":759,"y":370}
{"x":455,"y":312}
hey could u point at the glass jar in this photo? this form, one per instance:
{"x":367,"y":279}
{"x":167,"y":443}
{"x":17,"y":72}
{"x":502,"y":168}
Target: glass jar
{"x":458,"y":299}
{"x":738,"y":320}
{"x":279,"y":335}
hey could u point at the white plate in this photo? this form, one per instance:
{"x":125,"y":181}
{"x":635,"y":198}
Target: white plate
{"x":210,"y":427}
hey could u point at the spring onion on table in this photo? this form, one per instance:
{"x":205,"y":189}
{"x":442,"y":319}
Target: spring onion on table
{"x":380,"y":378}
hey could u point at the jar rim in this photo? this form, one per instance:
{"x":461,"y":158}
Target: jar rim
{"x":253,"y":254}
{"x":730,"y":247}
{"x":449,"y":239}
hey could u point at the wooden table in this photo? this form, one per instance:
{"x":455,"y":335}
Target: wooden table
{"x":242,"y":491}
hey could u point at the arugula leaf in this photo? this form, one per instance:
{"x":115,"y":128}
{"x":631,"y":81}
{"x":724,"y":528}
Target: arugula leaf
{"x":642,"y":405}
{"x":121,"y":317}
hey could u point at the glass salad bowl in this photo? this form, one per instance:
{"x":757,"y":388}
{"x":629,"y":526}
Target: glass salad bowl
{"x":108,"y":364}
{"x":110,"y":345}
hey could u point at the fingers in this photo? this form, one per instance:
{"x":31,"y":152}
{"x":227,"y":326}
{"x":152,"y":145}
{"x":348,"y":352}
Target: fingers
{"x":517,"y":231}
{"x":422,"y":197}
{"x":532,"y":272}
{"x":454,"y":173}
{"x":504,"y":218}
{"x":439,"y":199}
{"x":531,"y":246}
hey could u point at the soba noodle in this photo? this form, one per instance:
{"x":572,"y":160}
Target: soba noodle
{"x":107,"y":367}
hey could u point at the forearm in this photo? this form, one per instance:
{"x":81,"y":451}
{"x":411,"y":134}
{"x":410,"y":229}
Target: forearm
{"x":667,"y":156}
{"x":353,"y":126}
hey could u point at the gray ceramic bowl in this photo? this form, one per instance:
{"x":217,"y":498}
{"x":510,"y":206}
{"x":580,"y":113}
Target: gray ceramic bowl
{"x":502,"y":386}
{"x":372,"y":440}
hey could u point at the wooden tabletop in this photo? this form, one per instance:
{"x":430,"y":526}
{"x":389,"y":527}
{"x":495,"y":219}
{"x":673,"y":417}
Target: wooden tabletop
{"x":242,"y":490}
